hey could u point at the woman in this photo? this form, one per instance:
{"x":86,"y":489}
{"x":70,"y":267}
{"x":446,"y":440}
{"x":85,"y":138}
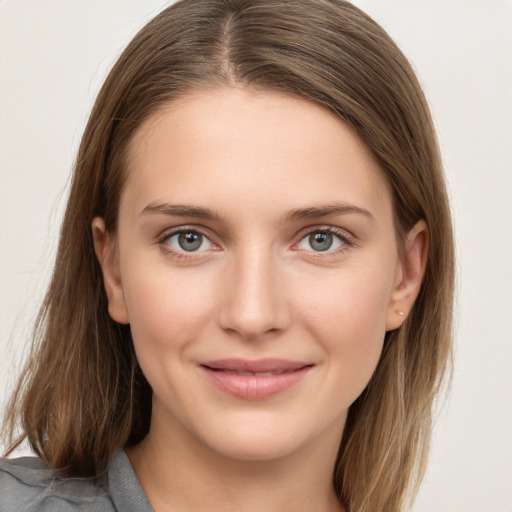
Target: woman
{"x":251,"y":303}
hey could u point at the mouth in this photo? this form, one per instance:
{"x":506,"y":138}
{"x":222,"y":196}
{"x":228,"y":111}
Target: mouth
{"x":255,"y":380}
{"x":248,"y":374}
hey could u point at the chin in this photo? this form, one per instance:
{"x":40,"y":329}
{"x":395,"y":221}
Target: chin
{"x":261,"y":439}
{"x":257,"y":448}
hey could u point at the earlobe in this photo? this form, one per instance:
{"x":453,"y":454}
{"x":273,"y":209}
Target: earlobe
{"x":104,"y":246}
{"x":409,"y":276}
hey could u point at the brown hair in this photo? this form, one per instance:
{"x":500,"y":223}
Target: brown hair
{"x":82,"y":394}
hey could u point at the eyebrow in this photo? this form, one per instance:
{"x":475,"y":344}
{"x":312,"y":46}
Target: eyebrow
{"x":199,"y":212}
{"x":180,"y":210}
{"x":315,"y":212}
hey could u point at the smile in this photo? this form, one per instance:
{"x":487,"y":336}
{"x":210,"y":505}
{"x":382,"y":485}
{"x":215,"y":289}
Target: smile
{"x":254,"y":380}
{"x":260,"y":374}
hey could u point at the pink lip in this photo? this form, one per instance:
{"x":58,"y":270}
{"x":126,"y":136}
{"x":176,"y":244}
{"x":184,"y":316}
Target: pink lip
{"x":272,"y":376}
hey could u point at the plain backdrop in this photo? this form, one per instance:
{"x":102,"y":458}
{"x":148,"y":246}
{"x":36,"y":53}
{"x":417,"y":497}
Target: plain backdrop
{"x":54,"y":57}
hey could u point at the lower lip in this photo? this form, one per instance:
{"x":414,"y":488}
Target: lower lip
{"x":255,"y":387}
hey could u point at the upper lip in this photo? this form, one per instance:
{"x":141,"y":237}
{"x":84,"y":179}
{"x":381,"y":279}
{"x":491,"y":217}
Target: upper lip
{"x":259,"y":365}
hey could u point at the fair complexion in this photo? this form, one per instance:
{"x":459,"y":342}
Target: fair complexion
{"x":255,"y":235}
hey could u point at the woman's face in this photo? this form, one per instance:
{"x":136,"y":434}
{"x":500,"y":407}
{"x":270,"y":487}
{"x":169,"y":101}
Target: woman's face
{"x":257,"y":264}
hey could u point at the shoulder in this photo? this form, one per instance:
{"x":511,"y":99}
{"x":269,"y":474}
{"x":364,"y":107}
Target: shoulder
{"x":27,"y":484}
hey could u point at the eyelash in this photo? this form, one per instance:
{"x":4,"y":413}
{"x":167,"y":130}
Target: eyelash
{"x":165,"y":247}
{"x":346,"y":238}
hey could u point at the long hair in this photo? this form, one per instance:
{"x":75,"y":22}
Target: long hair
{"x":82,"y":394}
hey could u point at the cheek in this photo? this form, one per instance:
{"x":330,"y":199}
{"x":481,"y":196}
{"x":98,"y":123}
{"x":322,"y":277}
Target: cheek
{"x":347,"y":317}
{"x":347,"y":302}
{"x":166,"y":308}
{"x":168,"y":313}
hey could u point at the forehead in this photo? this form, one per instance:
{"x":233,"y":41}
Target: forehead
{"x":262,"y":146}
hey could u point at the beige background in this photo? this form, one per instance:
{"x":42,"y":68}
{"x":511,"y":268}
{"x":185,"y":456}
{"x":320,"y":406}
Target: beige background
{"x":54,"y":56}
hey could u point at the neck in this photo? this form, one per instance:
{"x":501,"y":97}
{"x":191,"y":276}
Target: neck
{"x":179,"y":474}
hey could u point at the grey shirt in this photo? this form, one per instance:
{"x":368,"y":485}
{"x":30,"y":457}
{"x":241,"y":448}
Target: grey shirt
{"x":27,"y":485}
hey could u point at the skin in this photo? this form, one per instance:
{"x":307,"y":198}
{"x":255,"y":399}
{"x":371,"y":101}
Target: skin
{"x":255,"y":288}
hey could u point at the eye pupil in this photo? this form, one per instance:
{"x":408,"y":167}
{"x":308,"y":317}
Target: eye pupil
{"x":190,"y":241}
{"x":320,"y":241}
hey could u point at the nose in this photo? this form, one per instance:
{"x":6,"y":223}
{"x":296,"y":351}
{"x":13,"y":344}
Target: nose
{"x":254,"y":302}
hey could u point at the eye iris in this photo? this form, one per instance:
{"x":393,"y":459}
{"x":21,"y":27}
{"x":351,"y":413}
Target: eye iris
{"x":320,"y":241}
{"x":190,"y":241}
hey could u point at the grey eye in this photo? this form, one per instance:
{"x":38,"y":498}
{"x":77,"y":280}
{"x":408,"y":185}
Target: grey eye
{"x":190,"y":241}
{"x":320,"y":241}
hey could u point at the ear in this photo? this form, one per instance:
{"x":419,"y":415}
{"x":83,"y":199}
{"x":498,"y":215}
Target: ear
{"x":105,"y":249}
{"x":409,"y":276}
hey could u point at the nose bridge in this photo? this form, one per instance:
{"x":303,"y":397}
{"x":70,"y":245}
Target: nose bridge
{"x":255,"y":301}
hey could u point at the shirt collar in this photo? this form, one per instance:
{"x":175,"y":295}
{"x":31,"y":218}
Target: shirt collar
{"x":125,"y":488}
